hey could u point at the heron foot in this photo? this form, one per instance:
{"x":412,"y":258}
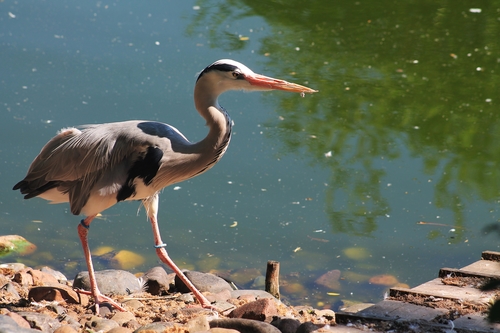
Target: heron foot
{"x":100,"y":298}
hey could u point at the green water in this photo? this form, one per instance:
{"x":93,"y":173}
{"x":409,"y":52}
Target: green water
{"x":403,"y":130}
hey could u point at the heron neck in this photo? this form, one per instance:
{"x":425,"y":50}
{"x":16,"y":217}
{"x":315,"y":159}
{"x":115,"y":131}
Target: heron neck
{"x":220,"y":124}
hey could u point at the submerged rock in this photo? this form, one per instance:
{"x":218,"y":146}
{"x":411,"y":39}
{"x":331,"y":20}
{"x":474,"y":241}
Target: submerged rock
{"x":15,"y":244}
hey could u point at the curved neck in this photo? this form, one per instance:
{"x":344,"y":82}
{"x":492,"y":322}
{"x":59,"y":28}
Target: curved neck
{"x":214,"y":145}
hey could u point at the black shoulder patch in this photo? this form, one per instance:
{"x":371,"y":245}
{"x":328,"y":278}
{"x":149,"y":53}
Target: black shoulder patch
{"x":144,"y":167}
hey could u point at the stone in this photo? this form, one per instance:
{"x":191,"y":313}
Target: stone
{"x":262,"y":309}
{"x":329,"y":280}
{"x":307,"y":327}
{"x":285,"y":325}
{"x":203,"y":282}
{"x":23,"y":278}
{"x":9,"y":325}
{"x":110,"y":282}
{"x":58,"y":275}
{"x":41,"y":278}
{"x":59,"y":293}
{"x":253,"y":293}
{"x":133,"y":304}
{"x":40,"y":321}
{"x":244,"y":325}
{"x":198,"y":324}
{"x":14,"y":266}
{"x":19,"y":319}
{"x":9,"y":288}
{"x":158,"y":281}
{"x":223,"y":295}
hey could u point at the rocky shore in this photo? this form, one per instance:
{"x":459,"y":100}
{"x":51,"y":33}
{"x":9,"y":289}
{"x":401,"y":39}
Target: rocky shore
{"x":34,"y":300}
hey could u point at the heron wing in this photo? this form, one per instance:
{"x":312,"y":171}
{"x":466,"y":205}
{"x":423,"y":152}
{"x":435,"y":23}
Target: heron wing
{"x":75,"y":160}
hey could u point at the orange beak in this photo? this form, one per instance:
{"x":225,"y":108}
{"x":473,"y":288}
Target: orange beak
{"x":270,"y":83}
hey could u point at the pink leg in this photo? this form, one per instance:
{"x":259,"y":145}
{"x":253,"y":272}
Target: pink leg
{"x":151,"y":207}
{"x":83,"y":229}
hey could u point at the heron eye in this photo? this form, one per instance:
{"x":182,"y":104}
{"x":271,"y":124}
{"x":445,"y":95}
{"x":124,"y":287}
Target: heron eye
{"x":237,"y":75}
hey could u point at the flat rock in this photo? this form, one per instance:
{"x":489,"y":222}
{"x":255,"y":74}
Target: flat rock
{"x":110,"y":282}
{"x":393,"y":309}
{"x":59,"y":293}
{"x":203,"y":282}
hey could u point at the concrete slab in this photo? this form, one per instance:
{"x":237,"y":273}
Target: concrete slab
{"x":475,"y":323}
{"x":438,"y":289}
{"x":394,"y":310}
{"x":484,"y":266}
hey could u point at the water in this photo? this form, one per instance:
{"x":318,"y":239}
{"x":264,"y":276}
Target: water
{"x":403,"y":130}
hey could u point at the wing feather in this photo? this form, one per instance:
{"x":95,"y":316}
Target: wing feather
{"x":76,"y":160}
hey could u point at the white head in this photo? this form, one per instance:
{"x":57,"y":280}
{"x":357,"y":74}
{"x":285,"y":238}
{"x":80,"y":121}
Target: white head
{"x":227,"y":74}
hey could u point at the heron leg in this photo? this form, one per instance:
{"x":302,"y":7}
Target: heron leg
{"x":83,"y":230}
{"x":151,"y":207}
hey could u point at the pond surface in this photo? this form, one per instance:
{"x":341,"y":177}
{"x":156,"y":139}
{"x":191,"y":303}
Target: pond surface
{"x":392,"y":168}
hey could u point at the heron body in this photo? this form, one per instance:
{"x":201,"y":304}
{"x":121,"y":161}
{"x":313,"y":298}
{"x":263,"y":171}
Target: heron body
{"x":96,"y":166}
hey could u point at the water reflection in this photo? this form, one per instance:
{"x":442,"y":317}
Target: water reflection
{"x":390,"y":84}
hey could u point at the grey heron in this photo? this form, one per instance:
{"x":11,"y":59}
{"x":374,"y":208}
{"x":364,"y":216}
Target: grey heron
{"x":94,"y":167}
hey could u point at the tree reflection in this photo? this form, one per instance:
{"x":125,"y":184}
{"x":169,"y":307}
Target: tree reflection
{"x":392,"y":76}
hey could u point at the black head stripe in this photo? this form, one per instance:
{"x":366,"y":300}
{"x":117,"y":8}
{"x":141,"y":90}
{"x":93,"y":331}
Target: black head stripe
{"x":223,"y":67}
